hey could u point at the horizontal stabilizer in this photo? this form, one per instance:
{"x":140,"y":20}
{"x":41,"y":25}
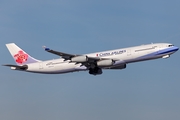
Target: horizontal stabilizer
{"x":16,"y":67}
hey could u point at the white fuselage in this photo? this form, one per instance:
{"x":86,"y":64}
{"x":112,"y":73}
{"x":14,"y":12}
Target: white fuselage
{"x":126,"y":55}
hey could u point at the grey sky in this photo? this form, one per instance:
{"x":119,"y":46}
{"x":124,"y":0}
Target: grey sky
{"x":144,"y":91}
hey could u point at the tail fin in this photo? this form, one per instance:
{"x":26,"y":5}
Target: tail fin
{"x":19,"y":55}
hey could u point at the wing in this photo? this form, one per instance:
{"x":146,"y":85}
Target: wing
{"x":73,"y":57}
{"x":62,"y":54}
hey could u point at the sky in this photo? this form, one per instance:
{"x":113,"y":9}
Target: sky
{"x":143,"y":91}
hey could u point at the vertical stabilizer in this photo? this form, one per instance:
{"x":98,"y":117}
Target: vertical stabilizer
{"x":19,"y":55}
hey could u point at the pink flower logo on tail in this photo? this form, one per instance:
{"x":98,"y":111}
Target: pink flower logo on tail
{"x":21,"y":57}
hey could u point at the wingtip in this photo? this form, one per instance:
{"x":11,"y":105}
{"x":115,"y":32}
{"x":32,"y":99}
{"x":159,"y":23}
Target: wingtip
{"x":45,"y":48}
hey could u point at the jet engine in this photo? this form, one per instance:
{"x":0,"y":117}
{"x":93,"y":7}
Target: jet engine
{"x":105,"y":63}
{"x":79,"y":59}
{"x":122,"y":66}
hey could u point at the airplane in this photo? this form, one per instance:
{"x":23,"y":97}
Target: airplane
{"x":94,"y":62}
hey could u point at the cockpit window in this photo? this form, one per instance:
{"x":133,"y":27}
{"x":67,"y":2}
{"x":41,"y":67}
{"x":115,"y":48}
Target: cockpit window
{"x":170,"y":45}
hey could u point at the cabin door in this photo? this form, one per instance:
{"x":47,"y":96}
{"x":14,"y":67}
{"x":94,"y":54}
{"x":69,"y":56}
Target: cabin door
{"x":129,"y":52}
{"x":40,"y":65}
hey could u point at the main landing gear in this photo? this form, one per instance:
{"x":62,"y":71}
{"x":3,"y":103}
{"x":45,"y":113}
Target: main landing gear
{"x":95,"y":71}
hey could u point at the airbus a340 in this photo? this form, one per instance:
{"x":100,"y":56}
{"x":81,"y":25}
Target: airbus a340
{"x":93,"y":62}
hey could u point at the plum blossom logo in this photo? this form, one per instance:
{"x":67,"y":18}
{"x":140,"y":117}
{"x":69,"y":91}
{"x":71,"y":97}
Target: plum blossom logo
{"x":21,"y":57}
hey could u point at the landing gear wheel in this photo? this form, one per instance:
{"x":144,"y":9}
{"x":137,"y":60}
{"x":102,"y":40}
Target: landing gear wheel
{"x":95,"y":71}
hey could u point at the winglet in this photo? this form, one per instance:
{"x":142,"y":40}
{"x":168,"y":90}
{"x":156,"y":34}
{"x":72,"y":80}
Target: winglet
{"x":45,"y":48}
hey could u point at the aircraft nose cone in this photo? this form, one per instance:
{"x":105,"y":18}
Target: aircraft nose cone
{"x":176,"y":48}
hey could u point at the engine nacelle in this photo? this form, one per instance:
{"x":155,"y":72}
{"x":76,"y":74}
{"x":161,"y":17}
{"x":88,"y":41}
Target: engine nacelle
{"x":119,"y":62}
{"x":79,"y":59}
{"x":105,"y":63}
{"x":122,"y":66}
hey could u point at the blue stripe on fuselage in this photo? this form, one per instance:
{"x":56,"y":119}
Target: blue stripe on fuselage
{"x":160,"y":53}
{"x":168,"y":50}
